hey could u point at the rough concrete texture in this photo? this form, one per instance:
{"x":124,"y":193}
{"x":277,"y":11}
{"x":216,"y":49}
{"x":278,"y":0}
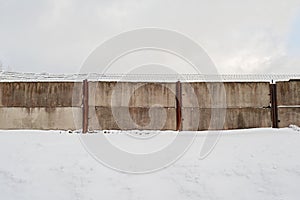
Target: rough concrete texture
{"x":288,"y":93}
{"x":288,"y":116}
{"x":230,"y":118}
{"x":131,"y":94}
{"x":60,"y":118}
{"x":126,"y":118}
{"x":40,"y":94}
{"x":238,"y":95}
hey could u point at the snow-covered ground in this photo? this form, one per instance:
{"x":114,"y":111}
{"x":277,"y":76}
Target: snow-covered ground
{"x":245,"y":164}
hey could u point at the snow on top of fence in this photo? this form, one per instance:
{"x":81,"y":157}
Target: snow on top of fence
{"x":6,"y":76}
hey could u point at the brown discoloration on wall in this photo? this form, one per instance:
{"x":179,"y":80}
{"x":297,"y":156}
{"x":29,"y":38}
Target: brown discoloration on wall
{"x":103,"y":118}
{"x":247,"y":118}
{"x":138,"y":98}
{"x":288,"y":100}
{"x":288,"y":93}
{"x":244,"y":104}
{"x":60,"y":118}
{"x":132,"y":94}
{"x":100,"y":93}
{"x":288,"y":116}
{"x":235,"y":118}
{"x":48,"y":105}
{"x":238,"y":95}
{"x":153,"y":93}
{"x":40,"y":105}
{"x":40,"y":94}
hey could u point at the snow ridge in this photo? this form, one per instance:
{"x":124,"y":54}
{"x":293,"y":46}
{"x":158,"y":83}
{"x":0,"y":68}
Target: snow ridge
{"x":294,"y":127}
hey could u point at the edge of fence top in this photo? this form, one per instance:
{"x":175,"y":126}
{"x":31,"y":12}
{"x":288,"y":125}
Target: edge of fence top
{"x":165,"y":78}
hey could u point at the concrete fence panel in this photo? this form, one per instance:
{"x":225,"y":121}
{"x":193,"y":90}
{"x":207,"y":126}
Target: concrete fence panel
{"x":40,"y":94}
{"x":134,"y":105}
{"x":59,"y":118}
{"x":246,"y":105}
{"x":288,"y":99}
{"x":288,"y":116}
{"x":238,"y":94}
{"x":103,"y":118}
{"x":131,"y":94}
{"x":40,"y":105}
{"x":235,"y":118}
{"x":288,"y":93}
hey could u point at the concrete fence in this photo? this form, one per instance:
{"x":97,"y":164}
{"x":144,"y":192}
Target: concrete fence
{"x":246,"y":105}
{"x":156,"y":106}
{"x":40,"y":105}
{"x":288,"y":101}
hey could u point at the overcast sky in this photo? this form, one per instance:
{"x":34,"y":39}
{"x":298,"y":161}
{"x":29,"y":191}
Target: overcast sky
{"x":56,"y":36}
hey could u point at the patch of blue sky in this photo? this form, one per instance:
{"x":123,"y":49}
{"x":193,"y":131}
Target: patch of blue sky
{"x":293,"y":42}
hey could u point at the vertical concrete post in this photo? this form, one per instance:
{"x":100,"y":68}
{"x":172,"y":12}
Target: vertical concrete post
{"x":178,"y":106}
{"x":274,"y":109}
{"x":85,"y":106}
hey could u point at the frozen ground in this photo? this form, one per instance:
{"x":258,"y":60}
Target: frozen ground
{"x":245,"y":164}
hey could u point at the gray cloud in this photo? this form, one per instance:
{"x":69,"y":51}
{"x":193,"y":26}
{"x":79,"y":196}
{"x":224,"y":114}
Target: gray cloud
{"x":57,"y":35}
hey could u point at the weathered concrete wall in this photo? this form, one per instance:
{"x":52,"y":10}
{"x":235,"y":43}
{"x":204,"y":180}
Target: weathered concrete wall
{"x":244,"y":105}
{"x":288,"y":116}
{"x":238,"y":95}
{"x":40,"y":105}
{"x":131,"y":94}
{"x":130,"y":118}
{"x":60,"y":118}
{"x":40,"y":94}
{"x":131,"y":103}
{"x":234,"y":118}
{"x":288,"y":100}
{"x":288,"y":93}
